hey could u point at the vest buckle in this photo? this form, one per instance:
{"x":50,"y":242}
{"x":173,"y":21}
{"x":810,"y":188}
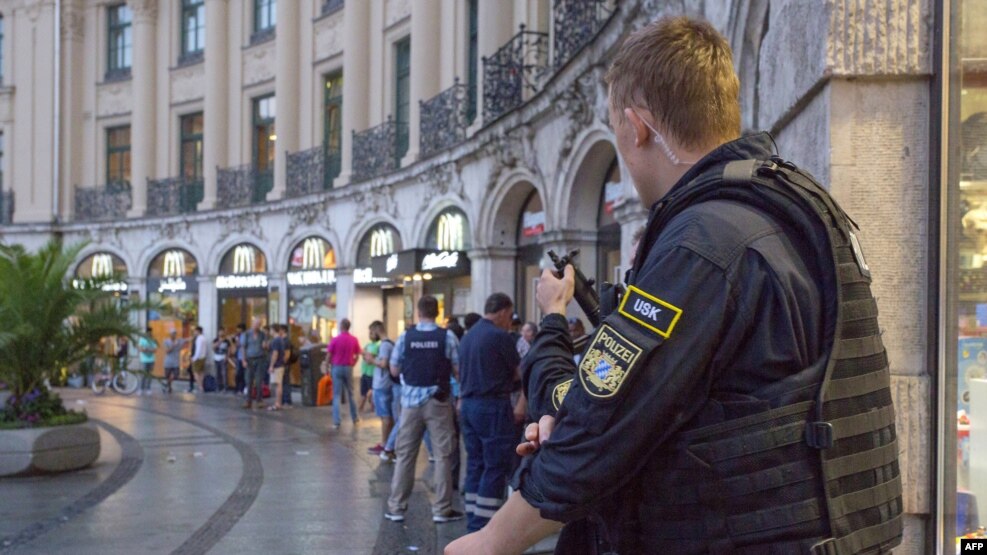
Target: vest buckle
{"x":819,"y":435}
{"x":825,"y":547}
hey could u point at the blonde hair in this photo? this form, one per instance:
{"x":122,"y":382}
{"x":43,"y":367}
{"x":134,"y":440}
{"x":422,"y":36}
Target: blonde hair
{"x":681,"y":69}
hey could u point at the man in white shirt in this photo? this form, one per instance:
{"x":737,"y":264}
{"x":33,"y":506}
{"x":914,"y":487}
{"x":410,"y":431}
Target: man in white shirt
{"x":199,"y":350}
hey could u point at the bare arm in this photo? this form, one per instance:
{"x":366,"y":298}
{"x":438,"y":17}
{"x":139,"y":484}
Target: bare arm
{"x":514,"y":528}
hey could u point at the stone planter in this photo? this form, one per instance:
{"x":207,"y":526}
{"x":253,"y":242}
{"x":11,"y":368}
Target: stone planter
{"x":57,"y":449}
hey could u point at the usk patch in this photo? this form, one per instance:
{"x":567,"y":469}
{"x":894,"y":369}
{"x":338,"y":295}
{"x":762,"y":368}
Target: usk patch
{"x":649,"y":311}
{"x":607,"y":362}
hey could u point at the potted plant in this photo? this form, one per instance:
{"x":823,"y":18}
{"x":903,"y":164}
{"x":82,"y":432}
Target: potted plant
{"x":49,"y":323}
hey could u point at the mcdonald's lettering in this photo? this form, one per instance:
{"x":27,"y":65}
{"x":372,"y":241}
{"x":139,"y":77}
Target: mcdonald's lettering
{"x":381,"y":242}
{"x":102,"y":266}
{"x":243,"y":260}
{"x":313,"y":254}
{"x":449,"y":232}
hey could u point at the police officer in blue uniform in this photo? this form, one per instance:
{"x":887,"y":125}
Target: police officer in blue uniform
{"x":737,"y":400}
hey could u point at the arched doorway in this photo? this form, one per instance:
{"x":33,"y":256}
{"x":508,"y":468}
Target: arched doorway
{"x":376,"y":297}
{"x":173,"y":287}
{"x":311,"y":281}
{"x":242,"y":286}
{"x":530,"y":256}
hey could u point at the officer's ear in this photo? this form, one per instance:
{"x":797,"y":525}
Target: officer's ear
{"x":640,"y":129}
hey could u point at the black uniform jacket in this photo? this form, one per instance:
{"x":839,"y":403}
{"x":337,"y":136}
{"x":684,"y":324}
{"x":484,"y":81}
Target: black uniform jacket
{"x":723,"y":313}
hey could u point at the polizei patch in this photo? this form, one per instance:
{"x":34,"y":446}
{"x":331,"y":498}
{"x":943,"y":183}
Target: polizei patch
{"x":607,"y":362}
{"x":650,"y":311}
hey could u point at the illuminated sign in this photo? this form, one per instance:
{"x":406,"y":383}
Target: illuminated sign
{"x":172,"y":285}
{"x":440,"y":260}
{"x":450,"y":234}
{"x":252,"y":281}
{"x":244,"y":260}
{"x":533,"y":223}
{"x":392,"y":263}
{"x":102,"y":266}
{"x":311,"y":277}
{"x":363,"y":276}
{"x":381,"y":242}
{"x":115,"y":287}
{"x":174,"y":264}
{"x":313,"y":253}
{"x":613,"y":193}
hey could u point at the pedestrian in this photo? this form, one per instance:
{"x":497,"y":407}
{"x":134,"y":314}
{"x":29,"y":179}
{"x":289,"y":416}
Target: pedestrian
{"x":342,"y":353}
{"x":703,"y":417}
{"x":147,"y":348}
{"x":577,"y":333}
{"x":240,"y":379}
{"x":528,"y":332}
{"x":199,"y":351}
{"x":367,"y":373}
{"x":470,"y":320}
{"x":488,"y":371}
{"x":279,"y":348}
{"x":172,"y":361}
{"x":455,"y":327}
{"x":425,"y":357}
{"x":383,"y":396}
{"x":253,"y":357}
{"x":123,"y":351}
{"x":221,"y":354}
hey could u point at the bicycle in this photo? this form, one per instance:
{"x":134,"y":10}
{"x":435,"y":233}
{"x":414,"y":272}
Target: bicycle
{"x":121,"y":380}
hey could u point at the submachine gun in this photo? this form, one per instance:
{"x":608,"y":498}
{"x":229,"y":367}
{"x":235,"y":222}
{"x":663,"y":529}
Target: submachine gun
{"x":586,"y":294}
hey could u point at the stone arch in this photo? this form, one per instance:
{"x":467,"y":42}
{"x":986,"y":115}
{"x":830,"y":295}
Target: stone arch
{"x":424,"y":220}
{"x":287,"y":243}
{"x":148,"y":254}
{"x":499,"y":220}
{"x":578,"y":200}
{"x":220,"y":249}
{"x":347,"y":257}
{"x":94,"y":248}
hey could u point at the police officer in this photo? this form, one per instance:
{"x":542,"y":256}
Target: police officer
{"x":737,"y":401}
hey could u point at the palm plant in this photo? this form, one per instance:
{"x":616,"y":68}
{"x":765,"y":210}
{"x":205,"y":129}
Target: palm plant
{"x":50,"y":322}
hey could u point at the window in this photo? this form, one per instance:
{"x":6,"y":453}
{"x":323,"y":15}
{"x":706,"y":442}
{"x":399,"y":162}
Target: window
{"x":193,"y":30}
{"x":265,"y":15}
{"x":402,"y":94}
{"x":118,"y":155}
{"x":472,"y":53}
{"x":332,"y":124}
{"x":118,"y":42}
{"x":190,"y":162}
{"x":264,"y":134}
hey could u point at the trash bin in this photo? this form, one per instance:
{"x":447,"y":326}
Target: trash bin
{"x":310,"y":362}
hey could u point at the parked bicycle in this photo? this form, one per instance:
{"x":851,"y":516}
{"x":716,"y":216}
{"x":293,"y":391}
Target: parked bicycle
{"x":119,"y":379}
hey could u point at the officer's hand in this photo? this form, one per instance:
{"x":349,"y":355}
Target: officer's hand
{"x":536,"y":434}
{"x":554,"y":294}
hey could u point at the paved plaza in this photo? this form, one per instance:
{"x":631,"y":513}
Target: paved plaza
{"x":189,"y":474}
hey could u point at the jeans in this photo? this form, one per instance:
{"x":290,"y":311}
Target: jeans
{"x":490,"y":436}
{"x":342,"y":384}
{"x":220,"y":375}
{"x":240,"y":378}
{"x":396,"y":412}
{"x":146,"y":378}
{"x":256,"y":369}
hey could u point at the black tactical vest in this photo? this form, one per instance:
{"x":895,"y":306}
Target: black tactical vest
{"x":425,"y":363}
{"x":817,"y":474}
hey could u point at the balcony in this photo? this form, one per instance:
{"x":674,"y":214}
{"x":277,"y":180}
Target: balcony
{"x":173,"y":196}
{"x":444,"y":119}
{"x":378,"y":150}
{"x":6,"y":207}
{"x":519,"y":65}
{"x":576,"y":22}
{"x":111,"y":202}
{"x":329,"y":6}
{"x":242,"y":186}
{"x":312,"y":170}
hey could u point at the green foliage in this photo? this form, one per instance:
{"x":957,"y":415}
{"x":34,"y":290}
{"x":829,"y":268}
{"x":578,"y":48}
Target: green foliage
{"x":49,"y":324}
{"x":39,"y":407}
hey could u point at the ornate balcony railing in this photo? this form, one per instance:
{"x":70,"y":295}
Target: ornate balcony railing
{"x":576,"y":22}
{"x":443,"y":119}
{"x":242,"y":186}
{"x":329,"y":6}
{"x":312,"y":170}
{"x":520,"y":64}
{"x":378,"y":150}
{"x":173,"y":195}
{"x":6,"y":207}
{"x":102,"y":203}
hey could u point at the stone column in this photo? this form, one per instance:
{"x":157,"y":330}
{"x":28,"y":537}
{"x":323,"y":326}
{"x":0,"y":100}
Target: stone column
{"x":286,"y":88}
{"x":142,"y":128}
{"x":496,"y":26}
{"x":356,"y":68}
{"x":425,"y":78}
{"x":492,"y":269}
{"x":208,"y":304}
{"x":214,"y":147}
{"x":345,"y":291}
{"x":71,"y":142}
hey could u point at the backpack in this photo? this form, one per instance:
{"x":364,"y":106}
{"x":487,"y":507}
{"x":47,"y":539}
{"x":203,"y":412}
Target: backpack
{"x":209,"y":383}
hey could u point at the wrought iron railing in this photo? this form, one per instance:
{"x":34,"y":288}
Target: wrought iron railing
{"x":519,"y":65}
{"x":242,"y":185}
{"x":103,"y":203}
{"x":191,"y":58}
{"x":312,"y":170}
{"x":444,"y":119}
{"x":173,"y":195}
{"x":576,"y":22}
{"x":6,"y":207}
{"x":329,"y":6}
{"x":378,"y":150}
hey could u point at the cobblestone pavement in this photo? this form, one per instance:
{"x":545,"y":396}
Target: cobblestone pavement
{"x":188,"y":474}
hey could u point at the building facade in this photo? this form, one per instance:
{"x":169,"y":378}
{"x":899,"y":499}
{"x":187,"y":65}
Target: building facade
{"x":311,"y":160}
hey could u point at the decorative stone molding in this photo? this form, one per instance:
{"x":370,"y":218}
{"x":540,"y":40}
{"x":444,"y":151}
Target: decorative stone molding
{"x":73,"y":21}
{"x":329,"y":36}
{"x":879,"y":37}
{"x":395,"y":11}
{"x":114,"y":99}
{"x":180,"y":230}
{"x":247,"y":223}
{"x":6,"y":99}
{"x":145,"y":11}
{"x":57,"y":449}
{"x":441,"y":181}
{"x":259,"y":63}
{"x":188,"y":83}
{"x":308,"y":214}
{"x":377,"y":200}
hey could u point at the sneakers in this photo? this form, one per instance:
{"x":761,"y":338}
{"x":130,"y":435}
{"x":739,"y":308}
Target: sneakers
{"x":388,"y":456}
{"x":335,"y":426}
{"x":449,"y":515}
{"x":375,"y":450}
{"x":394,"y":517}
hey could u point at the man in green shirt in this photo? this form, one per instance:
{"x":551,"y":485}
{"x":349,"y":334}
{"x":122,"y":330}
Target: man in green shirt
{"x":147,"y":347}
{"x":367,"y":374}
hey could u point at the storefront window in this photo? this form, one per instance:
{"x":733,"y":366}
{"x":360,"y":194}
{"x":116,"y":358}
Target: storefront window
{"x":102,"y":266}
{"x":609,"y":230}
{"x":531,"y":256}
{"x":173,"y":287}
{"x":242,"y":286}
{"x":312,"y":288}
{"x":375,"y":296}
{"x":450,"y":231}
{"x":963,"y":388}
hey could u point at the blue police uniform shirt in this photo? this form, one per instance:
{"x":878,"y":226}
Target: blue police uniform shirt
{"x":488,"y":361}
